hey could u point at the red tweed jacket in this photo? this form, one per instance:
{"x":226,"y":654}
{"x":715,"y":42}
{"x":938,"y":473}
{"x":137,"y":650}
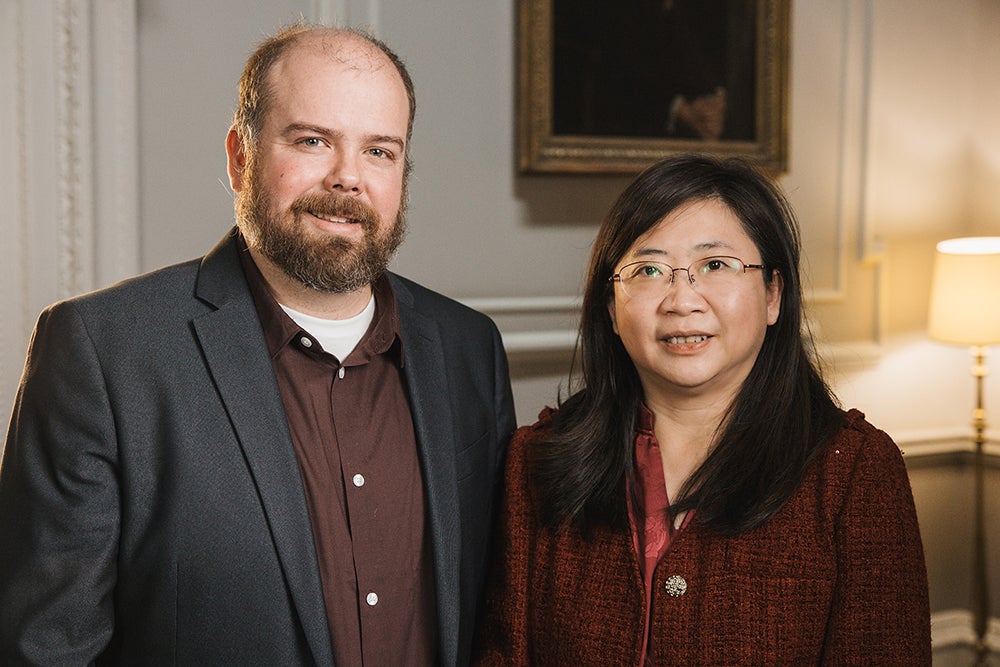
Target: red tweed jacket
{"x":836,"y":577}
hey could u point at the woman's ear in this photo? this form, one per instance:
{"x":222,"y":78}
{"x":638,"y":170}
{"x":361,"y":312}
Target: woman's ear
{"x":774,"y":290}
{"x":611,"y":314}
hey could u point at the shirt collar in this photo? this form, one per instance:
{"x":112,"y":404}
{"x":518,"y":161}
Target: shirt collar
{"x":384,"y":335}
{"x":644,"y":421}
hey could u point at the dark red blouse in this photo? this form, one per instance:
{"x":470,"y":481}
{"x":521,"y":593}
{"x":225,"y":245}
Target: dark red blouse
{"x":658,"y":531}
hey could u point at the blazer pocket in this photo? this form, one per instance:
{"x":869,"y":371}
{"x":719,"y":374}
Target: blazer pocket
{"x":473,"y":459}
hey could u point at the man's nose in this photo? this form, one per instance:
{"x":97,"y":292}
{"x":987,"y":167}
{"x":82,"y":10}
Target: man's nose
{"x":344,"y":175}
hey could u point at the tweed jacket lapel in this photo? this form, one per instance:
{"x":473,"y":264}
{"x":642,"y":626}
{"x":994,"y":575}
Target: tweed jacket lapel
{"x":237,"y":358}
{"x":427,"y":384}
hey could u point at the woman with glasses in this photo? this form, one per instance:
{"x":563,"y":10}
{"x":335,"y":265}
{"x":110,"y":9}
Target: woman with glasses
{"x":700,"y":498}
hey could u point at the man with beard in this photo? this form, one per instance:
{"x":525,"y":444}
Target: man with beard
{"x":279,"y":454}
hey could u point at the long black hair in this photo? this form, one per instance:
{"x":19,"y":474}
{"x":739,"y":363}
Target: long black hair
{"x":782,"y":415}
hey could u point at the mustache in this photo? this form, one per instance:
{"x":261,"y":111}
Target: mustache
{"x":337,"y":206}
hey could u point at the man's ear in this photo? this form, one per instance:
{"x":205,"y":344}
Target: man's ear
{"x":236,"y":159}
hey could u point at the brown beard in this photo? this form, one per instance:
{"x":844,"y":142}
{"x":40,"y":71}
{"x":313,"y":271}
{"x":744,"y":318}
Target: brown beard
{"x":336,"y":264}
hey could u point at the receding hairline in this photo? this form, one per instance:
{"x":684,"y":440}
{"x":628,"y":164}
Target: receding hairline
{"x":347,"y":45}
{"x":328,"y":38}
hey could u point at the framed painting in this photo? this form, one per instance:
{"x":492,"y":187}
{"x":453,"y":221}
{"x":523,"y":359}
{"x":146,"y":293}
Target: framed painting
{"x":611,"y":86}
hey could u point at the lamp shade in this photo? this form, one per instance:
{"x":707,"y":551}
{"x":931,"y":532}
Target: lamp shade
{"x":965,"y":291}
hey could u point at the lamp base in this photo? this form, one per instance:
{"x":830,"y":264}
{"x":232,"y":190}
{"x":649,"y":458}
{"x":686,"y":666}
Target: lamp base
{"x":980,"y":581}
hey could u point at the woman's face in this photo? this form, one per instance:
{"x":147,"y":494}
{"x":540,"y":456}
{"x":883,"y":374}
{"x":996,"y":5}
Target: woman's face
{"x":696,"y":339}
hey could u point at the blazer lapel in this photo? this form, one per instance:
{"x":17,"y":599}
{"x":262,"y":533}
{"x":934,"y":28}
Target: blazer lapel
{"x":236,"y":355}
{"x":427,"y":384}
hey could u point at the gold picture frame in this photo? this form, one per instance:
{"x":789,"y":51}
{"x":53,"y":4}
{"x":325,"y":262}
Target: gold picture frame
{"x":623,"y":148}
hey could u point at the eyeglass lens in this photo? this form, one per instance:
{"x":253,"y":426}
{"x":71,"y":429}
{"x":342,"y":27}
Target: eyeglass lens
{"x":641,"y":279}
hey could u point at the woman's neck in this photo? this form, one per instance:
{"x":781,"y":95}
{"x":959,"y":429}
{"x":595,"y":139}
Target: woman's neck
{"x":686,"y":430}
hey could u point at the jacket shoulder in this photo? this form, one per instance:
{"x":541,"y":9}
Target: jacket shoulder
{"x":860,"y":439}
{"x":187,"y":288}
{"x":860,"y":464}
{"x":450,"y":312}
{"x":140,"y":289}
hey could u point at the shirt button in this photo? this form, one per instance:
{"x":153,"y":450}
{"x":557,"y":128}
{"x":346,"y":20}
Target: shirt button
{"x":359,"y":481}
{"x":371,"y":599}
{"x":675,"y":586}
{"x":340,"y":373}
{"x":306,"y":342}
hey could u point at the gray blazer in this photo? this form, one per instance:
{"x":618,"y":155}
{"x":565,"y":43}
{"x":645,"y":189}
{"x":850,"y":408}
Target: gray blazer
{"x":151,"y":507}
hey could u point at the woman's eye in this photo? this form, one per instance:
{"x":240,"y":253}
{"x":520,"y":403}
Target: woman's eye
{"x":649,"y":271}
{"x":714,"y":265}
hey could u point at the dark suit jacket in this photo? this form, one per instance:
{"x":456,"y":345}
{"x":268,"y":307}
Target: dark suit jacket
{"x":151,"y":507}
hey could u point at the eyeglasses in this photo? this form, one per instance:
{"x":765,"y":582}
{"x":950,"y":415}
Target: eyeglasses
{"x":641,"y":280}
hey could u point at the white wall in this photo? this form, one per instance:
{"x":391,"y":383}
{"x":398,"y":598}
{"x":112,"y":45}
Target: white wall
{"x":895,"y":144}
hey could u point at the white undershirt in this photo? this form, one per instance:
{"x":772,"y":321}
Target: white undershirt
{"x":338,"y":337}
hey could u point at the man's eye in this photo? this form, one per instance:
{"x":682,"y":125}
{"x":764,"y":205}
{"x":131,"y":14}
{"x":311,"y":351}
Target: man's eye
{"x":312,"y":142}
{"x":378,"y":152}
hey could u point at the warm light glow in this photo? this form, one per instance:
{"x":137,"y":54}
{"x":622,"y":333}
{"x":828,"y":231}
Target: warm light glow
{"x":965,"y":291}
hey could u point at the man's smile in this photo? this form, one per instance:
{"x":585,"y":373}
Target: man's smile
{"x":333,"y":218}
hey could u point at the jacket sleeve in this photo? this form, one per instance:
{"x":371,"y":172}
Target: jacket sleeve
{"x":59,"y":502}
{"x":502,"y":635}
{"x":881,"y":610}
{"x":506,"y":419}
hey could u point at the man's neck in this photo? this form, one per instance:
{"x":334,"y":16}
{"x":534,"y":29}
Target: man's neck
{"x":293,"y":294}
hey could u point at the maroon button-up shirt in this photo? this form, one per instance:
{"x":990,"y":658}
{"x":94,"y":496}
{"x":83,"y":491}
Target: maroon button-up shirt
{"x":353,"y":435}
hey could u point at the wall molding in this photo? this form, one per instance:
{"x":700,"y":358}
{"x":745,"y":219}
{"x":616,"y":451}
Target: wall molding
{"x":922,"y":443}
{"x":13,"y":192}
{"x":69,"y":167}
{"x":74,"y":219}
{"x":855,"y":154}
{"x":115,"y":139}
{"x":855,"y":68}
{"x":507,"y":305}
{"x":954,"y":627}
{"x":843,"y":355}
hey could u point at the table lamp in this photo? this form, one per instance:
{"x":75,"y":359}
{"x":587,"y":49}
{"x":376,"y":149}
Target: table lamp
{"x":965,"y":310}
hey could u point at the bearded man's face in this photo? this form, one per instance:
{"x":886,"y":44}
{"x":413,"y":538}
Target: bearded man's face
{"x":321,"y":193}
{"x":325,"y":262}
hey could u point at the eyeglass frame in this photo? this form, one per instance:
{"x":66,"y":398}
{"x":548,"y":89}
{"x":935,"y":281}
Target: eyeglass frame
{"x":617,"y":277}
